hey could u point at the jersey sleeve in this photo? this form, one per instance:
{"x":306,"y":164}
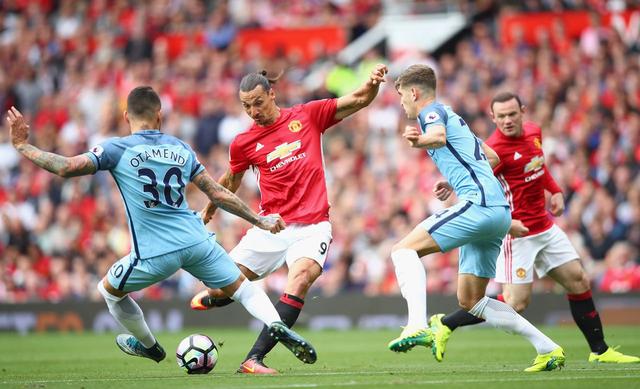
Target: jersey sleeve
{"x":195,"y":167}
{"x":238,"y":162}
{"x":549,"y":183}
{"x":323,"y":112}
{"x":107,"y":154}
{"x":436,"y":115}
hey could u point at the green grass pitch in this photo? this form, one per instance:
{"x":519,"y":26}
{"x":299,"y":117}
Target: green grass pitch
{"x":359,"y":359}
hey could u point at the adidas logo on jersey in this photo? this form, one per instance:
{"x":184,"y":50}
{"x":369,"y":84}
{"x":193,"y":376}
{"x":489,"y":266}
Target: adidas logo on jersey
{"x":517,"y":156}
{"x":259,"y":146}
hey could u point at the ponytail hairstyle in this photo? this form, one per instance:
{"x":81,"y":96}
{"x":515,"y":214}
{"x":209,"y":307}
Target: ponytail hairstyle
{"x":252,"y":80}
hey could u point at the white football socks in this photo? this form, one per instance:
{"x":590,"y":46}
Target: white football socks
{"x":128,"y":313}
{"x":501,"y":315}
{"x":256,"y":302}
{"x":412,"y":279}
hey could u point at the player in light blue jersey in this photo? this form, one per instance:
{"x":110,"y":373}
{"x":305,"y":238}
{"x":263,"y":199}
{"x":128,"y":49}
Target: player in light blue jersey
{"x":151,"y":170}
{"x":476,"y":224}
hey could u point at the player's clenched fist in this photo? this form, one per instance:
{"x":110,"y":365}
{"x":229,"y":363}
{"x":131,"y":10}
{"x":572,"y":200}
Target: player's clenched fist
{"x":518,"y":229}
{"x":412,"y":135}
{"x":442,"y":190}
{"x":273,"y":223}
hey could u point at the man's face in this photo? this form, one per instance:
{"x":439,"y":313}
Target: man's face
{"x":408,"y":102}
{"x":260,"y":105}
{"x":508,"y":117}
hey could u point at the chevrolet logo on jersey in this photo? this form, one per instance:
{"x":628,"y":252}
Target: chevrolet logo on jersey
{"x":535,"y":164}
{"x":284,"y":150}
{"x":295,"y":126}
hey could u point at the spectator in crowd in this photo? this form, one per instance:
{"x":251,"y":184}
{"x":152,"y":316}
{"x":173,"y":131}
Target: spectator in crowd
{"x":69,"y":64}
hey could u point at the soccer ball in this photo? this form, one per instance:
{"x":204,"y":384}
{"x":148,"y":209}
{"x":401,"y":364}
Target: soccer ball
{"x":197,"y":354}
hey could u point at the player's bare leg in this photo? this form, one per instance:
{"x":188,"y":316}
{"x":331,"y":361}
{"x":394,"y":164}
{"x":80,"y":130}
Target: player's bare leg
{"x":573,"y":278}
{"x":257,"y":303}
{"x":412,"y":280}
{"x":212,"y":298}
{"x":126,"y":311}
{"x":518,"y":296}
{"x":471,"y":290}
{"x":302,"y":275}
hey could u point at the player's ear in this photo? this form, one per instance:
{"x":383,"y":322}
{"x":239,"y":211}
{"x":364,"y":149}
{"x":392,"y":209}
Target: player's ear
{"x":523,"y":108}
{"x":125,"y":116}
{"x":415,"y":94}
{"x":491,"y":115}
{"x":159,"y":119}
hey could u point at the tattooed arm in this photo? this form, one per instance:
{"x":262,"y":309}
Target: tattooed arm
{"x":228,"y":180}
{"x":223,"y":198}
{"x":79,"y":165}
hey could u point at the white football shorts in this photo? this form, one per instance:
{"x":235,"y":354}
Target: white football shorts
{"x":544,"y":251}
{"x":263,"y":252}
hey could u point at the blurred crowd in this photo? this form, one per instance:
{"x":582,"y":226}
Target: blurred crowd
{"x":68,"y":66}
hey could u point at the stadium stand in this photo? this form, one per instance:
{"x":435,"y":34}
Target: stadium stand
{"x":69,"y":64}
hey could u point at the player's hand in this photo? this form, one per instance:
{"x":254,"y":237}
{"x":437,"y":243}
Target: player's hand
{"x":207,"y":212}
{"x":442,"y":190}
{"x":18,"y":127}
{"x":378,"y":73}
{"x":518,"y":229}
{"x":412,"y":135}
{"x":272,"y":223}
{"x":557,"y":204}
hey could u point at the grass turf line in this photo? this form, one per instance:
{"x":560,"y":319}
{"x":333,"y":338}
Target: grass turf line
{"x":357,"y":359}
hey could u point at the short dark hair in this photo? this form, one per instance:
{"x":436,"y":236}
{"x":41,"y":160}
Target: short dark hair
{"x":143,"y":102}
{"x":252,"y":80}
{"x":503,"y":97}
{"x":419,"y":75}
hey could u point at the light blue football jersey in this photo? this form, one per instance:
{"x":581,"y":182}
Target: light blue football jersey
{"x":462,"y":161}
{"x":151,"y":170}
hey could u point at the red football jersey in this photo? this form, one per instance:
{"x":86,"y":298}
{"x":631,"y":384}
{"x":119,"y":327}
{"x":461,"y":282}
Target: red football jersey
{"x":524,"y":176}
{"x":287,"y":157}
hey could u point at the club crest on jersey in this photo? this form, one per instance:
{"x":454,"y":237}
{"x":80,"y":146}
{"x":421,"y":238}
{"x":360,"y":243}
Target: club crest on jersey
{"x":431,"y":117}
{"x":521,"y":273}
{"x":295,"y":126}
{"x":97,"y":150}
{"x":537,"y":143}
{"x":284,"y":150}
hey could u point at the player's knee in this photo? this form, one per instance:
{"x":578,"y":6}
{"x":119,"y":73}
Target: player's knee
{"x":518,"y":303}
{"x":580,"y":283}
{"x":302,"y":280}
{"x":398,"y":246}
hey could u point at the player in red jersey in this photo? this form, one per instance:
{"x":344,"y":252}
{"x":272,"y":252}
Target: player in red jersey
{"x":284,"y":147}
{"x":534,"y":240}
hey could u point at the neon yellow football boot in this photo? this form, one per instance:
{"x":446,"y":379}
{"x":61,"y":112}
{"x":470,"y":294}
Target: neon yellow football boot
{"x":411,"y":337}
{"x":441,"y":334}
{"x":547,"y":362}
{"x":612,"y":356}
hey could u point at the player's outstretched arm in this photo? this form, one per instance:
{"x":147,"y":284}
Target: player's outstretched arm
{"x":225,"y":199}
{"x":363,"y":96}
{"x":435,"y":138}
{"x":228,"y":180}
{"x":79,"y":165}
